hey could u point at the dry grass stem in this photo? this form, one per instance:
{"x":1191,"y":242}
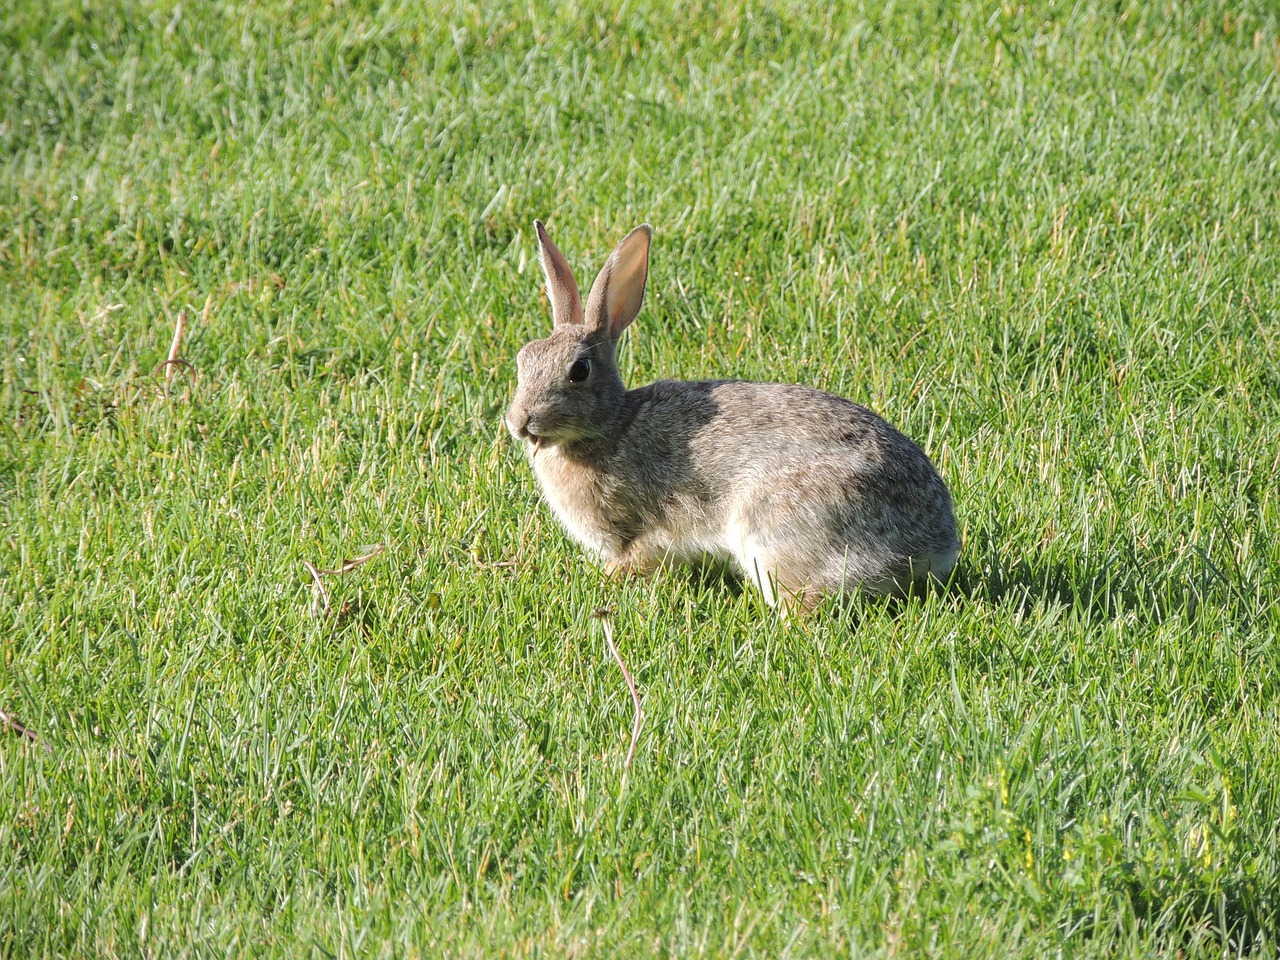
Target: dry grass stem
{"x":320,"y":605}
{"x":21,"y":729}
{"x":179,"y":331}
{"x":323,"y":594}
{"x":602,"y":614}
{"x":369,"y":551}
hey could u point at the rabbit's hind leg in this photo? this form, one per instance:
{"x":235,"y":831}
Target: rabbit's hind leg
{"x":777,"y":578}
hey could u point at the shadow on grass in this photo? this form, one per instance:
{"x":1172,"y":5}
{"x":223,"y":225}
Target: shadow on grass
{"x":1237,"y":905}
{"x":1100,"y":589}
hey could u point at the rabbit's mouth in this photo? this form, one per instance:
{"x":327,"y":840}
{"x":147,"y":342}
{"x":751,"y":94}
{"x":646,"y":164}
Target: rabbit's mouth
{"x":518,"y":425}
{"x":529,"y":437}
{"x":541,"y":430}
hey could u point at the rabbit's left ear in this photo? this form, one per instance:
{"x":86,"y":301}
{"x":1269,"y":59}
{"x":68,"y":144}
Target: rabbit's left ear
{"x":619,"y":289}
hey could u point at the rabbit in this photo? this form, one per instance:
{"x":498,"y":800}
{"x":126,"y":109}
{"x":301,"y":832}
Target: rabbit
{"x":806,"y":493}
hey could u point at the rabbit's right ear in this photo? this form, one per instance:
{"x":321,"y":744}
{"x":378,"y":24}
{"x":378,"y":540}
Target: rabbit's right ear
{"x":618,"y":292}
{"x":562,"y":289}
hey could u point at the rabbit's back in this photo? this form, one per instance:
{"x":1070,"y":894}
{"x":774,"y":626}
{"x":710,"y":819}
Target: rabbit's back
{"x":732,"y":468}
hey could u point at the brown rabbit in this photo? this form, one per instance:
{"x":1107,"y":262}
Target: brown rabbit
{"x":805,"y":492}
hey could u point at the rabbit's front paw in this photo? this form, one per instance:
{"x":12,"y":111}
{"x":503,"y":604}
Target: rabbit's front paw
{"x":630,"y":564}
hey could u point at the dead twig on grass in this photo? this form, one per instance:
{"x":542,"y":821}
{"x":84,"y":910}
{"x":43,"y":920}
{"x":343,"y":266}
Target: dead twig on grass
{"x":603,"y":614}
{"x":179,"y":331}
{"x":174,"y":362}
{"x":16,"y":726}
{"x":316,"y":610}
{"x":371,"y":550}
{"x":320,"y":604}
{"x":168,"y":366}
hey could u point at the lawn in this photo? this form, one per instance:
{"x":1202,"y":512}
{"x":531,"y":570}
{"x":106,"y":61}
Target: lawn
{"x":1042,"y":239}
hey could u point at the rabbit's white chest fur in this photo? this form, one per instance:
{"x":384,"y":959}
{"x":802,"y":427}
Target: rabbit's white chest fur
{"x":597,"y":509}
{"x":575,"y":497}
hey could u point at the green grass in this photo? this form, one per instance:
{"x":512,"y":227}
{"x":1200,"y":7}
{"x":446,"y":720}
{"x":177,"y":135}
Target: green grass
{"x":1042,"y":239}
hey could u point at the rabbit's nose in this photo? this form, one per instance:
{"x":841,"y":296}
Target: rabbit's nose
{"x":518,"y":423}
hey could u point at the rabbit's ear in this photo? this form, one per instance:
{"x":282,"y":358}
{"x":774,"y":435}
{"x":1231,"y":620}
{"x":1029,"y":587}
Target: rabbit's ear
{"x":619,"y":289}
{"x":562,"y":289}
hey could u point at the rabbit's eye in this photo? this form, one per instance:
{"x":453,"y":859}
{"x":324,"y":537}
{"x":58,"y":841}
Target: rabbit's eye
{"x":580,"y":370}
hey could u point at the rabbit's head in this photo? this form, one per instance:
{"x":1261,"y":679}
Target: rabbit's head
{"x":569,"y":389}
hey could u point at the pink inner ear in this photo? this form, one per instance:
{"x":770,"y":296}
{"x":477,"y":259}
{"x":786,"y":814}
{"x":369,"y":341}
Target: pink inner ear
{"x":618,"y":292}
{"x":625,"y":292}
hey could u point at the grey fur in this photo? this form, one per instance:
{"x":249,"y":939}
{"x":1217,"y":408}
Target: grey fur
{"x":805,"y":492}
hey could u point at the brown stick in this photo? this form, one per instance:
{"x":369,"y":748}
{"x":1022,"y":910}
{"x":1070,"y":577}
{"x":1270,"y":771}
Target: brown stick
{"x":179,"y":331}
{"x":603,"y":615}
{"x":21,"y":729}
{"x":348,"y":564}
{"x":324,"y":594}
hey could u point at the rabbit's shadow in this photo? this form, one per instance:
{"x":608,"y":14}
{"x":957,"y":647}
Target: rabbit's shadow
{"x":1096,"y":589}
